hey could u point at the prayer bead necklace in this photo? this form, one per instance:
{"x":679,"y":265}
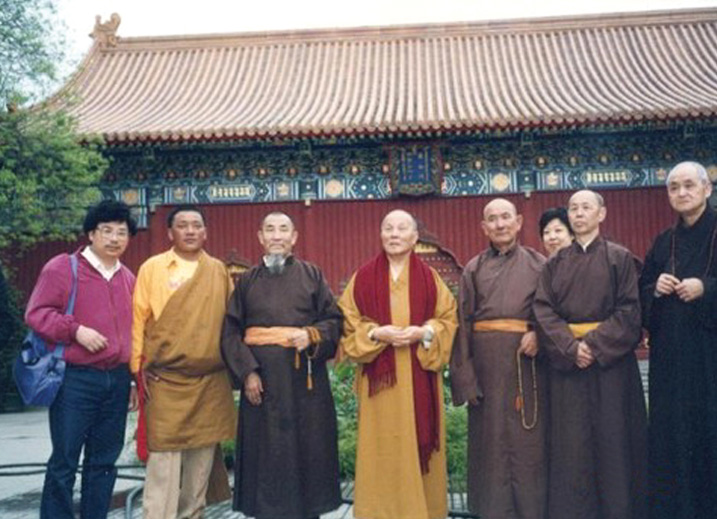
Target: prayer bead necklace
{"x":520,"y":398}
{"x":673,"y":246}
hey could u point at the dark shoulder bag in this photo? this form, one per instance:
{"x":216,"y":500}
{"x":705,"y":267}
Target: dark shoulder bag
{"x":38,"y":372}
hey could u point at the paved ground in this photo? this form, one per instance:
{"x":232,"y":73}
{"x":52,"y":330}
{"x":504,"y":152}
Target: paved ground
{"x":24,"y":438}
{"x":223,"y":510}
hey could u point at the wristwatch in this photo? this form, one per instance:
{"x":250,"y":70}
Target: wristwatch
{"x":428,"y":334}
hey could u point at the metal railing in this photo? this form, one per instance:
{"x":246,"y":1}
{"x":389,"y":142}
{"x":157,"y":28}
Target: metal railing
{"x":456,"y":500}
{"x":36,"y":469}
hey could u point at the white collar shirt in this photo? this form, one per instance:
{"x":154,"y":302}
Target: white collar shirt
{"x":95,"y":261}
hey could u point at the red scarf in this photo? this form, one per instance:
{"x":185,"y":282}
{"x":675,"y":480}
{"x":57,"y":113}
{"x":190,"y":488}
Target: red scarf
{"x":373,"y":298}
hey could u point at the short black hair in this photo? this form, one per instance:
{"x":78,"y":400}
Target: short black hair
{"x":551,"y":214}
{"x":109,"y":211}
{"x":185,"y":208}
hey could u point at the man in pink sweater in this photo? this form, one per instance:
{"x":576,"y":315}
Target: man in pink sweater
{"x":90,"y":409}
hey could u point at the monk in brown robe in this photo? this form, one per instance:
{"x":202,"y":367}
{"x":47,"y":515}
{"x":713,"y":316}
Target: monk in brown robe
{"x":281,"y":327}
{"x":588,"y":321}
{"x":495,"y":345}
{"x":400,"y":320}
{"x":187,"y":406}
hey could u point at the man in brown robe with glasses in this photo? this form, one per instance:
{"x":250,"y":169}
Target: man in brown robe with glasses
{"x":281,"y":327}
{"x":587,"y":312}
{"x":494,"y":368}
{"x":679,"y":297}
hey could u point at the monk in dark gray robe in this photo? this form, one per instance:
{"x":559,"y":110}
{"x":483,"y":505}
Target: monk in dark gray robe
{"x":679,"y":294}
{"x":588,"y":320}
{"x":281,"y":327}
{"x":507,"y":461}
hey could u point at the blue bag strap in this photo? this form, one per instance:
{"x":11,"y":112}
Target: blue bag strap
{"x":59,"y":351}
{"x":73,"y":293}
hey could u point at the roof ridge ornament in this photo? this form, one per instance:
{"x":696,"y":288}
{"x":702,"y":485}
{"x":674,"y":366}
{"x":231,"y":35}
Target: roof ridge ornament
{"x":105,"y":33}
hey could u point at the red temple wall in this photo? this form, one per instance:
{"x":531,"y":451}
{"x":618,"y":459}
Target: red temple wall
{"x":340,"y":235}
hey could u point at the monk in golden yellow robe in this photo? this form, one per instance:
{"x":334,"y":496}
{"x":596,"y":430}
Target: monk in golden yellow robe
{"x":179,"y":305}
{"x":400,"y":320}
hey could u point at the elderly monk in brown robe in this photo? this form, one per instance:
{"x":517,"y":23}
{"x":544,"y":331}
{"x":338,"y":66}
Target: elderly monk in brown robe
{"x":281,"y":327}
{"x":588,"y":320}
{"x":400,"y":320}
{"x":494,"y":367}
{"x":187,"y":405}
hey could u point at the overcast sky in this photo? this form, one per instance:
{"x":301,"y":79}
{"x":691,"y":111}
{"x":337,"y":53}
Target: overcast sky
{"x":170,"y":17}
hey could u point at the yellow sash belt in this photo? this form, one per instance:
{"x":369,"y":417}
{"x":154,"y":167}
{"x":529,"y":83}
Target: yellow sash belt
{"x":270,"y":336}
{"x":580,"y":330}
{"x":281,"y":336}
{"x":501,"y":325}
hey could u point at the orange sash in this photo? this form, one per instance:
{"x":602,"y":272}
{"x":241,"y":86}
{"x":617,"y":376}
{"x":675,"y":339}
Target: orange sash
{"x":281,"y":336}
{"x":502,"y":325}
{"x":277,"y":335}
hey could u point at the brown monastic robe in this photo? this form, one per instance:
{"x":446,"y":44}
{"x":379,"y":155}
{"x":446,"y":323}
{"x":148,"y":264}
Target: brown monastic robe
{"x":507,"y":465}
{"x":286,"y":452}
{"x":598,"y":433}
{"x":191,"y":405}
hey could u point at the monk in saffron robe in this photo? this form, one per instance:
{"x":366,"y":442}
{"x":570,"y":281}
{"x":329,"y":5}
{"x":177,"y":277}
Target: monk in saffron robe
{"x":400,"y":320}
{"x":494,"y":367}
{"x":186,"y":396}
{"x":281,"y":327}
{"x":679,"y":295}
{"x":587,"y":312}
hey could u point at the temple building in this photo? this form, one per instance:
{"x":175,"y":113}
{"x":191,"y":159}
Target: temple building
{"x":336,"y":127}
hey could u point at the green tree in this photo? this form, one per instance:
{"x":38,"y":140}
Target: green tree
{"x":47,"y":178}
{"x":29,"y":49}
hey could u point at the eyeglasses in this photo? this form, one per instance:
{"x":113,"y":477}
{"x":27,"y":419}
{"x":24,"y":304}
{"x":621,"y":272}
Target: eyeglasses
{"x":109,"y":232}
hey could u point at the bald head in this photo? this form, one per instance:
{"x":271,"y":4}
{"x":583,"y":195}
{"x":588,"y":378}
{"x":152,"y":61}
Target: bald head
{"x":582,"y":194}
{"x":277,"y":234}
{"x":499,"y":205}
{"x":398,"y":216}
{"x":277,"y":216}
{"x":586,"y":211}
{"x":399,"y":234}
{"x":501,"y":224}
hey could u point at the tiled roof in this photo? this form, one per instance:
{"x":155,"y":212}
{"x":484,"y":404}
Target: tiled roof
{"x":526,"y":73}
